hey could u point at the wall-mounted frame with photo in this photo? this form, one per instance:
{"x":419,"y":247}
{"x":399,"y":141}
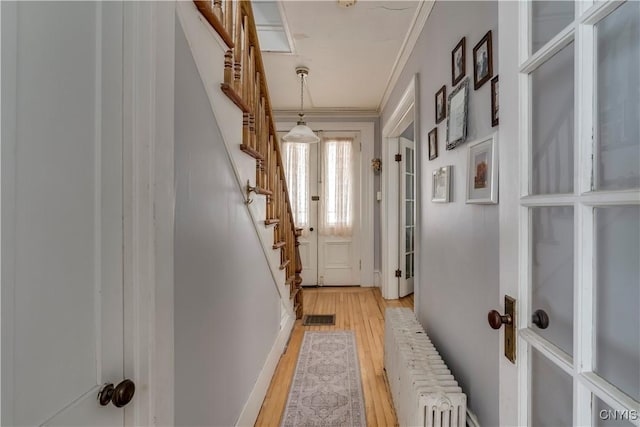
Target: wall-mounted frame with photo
{"x":482,"y":61}
{"x":482,"y":171}
{"x":441,"y":104}
{"x":441,"y":185}
{"x":457,"y":115}
{"x":495,"y":106}
{"x":458,"y":62}
{"x":433,"y":143}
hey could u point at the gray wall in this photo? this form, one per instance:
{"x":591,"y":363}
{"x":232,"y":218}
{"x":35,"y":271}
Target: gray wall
{"x":461,"y":284}
{"x":227,"y":310}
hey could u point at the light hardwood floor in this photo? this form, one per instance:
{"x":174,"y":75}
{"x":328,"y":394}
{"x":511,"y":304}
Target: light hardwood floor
{"x":357,"y":309}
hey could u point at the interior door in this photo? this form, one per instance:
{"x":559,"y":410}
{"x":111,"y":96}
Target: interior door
{"x":579,"y":216}
{"x":62,"y":211}
{"x":338,"y":255}
{"x":407,"y":215}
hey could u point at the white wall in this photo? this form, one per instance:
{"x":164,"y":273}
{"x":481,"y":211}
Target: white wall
{"x":227,"y":309}
{"x":459,"y":262}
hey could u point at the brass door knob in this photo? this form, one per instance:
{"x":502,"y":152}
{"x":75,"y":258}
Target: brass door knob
{"x":119,"y":395}
{"x":496,"y":319}
{"x":540,"y":319}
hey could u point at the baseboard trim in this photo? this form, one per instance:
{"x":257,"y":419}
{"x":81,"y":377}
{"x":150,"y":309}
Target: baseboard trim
{"x":472,"y":420}
{"x":251,"y":409}
{"x":377,"y":278}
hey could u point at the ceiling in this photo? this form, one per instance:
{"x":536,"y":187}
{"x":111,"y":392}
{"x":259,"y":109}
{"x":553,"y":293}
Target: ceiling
{"x":350,"y":52}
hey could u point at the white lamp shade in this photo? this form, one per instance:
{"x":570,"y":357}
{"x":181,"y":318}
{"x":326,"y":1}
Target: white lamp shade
{"x":301,"y":133}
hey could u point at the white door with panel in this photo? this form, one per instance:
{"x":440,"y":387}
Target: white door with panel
{"x":578,"y":346}
{"x":323,"y":183}
{"x":339,"y":210}
{"x":407,"y":215}
{"x":62,"y":213}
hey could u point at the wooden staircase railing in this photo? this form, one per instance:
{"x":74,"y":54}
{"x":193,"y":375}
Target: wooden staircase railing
{"x":246,"y":85}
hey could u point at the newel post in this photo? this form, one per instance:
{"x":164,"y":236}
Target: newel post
{"x":298,"y":280}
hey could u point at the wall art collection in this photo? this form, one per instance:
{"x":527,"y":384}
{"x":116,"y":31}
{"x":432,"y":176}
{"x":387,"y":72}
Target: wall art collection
{"x":482,"y":170}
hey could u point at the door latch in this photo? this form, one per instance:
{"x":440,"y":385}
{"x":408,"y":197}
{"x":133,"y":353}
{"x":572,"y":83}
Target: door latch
{"x":496,"y":320}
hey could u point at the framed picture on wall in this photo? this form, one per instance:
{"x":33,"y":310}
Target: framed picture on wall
{"x":482,"y":172}
{"x":441,"y":104}
{"x":458,"y":62}
{"x":457,"y":115}
{"x":495,"y":120}
{"x":433,"y":143}
{"x":482,"y":61}
{"x":441,"y":185}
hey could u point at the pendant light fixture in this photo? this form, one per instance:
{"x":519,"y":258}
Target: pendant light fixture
{"x":301,"y":132}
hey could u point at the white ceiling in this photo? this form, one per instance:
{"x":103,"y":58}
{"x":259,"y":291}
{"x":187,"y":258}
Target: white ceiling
{"x":350,"y":52}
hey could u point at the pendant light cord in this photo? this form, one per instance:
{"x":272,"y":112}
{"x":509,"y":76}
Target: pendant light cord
{"x":301,"y":114}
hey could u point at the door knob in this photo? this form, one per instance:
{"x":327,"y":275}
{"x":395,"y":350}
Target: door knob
{"x":119,"y":395}
{"x":310,"y":228}
{"x":496,"y":319}
{"x":540,"y":319}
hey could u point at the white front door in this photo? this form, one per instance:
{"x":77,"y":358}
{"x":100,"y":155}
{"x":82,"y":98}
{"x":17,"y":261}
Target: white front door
{"x":339,"y":225}
{"x":62,"y":211}
{"x":578,"y":215}
{"x":407,"y":214}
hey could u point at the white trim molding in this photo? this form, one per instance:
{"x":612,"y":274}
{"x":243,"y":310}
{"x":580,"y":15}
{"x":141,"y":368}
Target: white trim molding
{"x":251,"y":409}
{"x":420,"y":19}
{"x":406,"y":111}
{"x":149,"y":200}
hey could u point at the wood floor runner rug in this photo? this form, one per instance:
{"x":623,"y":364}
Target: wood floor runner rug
{"x":326,"y":388}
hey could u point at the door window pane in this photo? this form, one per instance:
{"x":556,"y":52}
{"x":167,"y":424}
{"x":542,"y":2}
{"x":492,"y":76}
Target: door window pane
{"x":552,"y":273}
{"x":295,"y":157}
{"x":617,"y":294}
{"x":548,"y":18}
{"x":409,"y":213}
{"x":618,"y":100}
{"x":409,"y":239}
{"x":337,"y":179}
{"x":551,"y":393}
{"x":605,"y":416}
{"x":552,"y":124}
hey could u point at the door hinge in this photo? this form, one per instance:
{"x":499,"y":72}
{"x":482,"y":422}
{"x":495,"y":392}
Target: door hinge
{"x":398,"y":157}
{"x":398,"y":273}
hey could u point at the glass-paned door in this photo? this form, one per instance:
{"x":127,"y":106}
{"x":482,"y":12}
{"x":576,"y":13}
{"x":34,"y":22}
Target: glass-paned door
{"x":579,"y":214}
{"x":407,"y":216}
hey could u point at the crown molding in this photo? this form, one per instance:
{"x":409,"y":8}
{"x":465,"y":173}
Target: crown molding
{"x":418,"y":23}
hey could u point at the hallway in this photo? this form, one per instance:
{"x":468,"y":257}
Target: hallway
{"x":357,"y":309}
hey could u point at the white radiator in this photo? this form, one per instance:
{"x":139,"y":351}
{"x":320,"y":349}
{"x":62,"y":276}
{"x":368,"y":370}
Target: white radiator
{"x":424,"y":392}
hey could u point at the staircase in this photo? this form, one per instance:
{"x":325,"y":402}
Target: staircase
{"x":252,"y":145}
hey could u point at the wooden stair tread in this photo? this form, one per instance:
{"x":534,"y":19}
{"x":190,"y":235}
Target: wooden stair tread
{"x":250,"y":151}
{"x":279,"y":245}
{"x":271,"y":221}
{"x":290,"y":280}
{"x":284,"y":264}
{"x":234,"y":97}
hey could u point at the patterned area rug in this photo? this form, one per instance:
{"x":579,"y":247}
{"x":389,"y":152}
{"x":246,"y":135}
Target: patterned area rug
{"x":326,"y":388}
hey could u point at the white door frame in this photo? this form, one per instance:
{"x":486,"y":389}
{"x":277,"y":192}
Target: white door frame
{"x":367,"y":196}
{"x":148,"y":209}
{"x":406,"y":111}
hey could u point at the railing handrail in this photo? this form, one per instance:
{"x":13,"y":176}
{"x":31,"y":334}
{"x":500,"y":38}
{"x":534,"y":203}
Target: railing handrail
{"x":246,"y":85}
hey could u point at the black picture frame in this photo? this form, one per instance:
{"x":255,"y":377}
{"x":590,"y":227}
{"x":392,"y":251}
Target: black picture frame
{"x":495,"y":119}
{"x":458,"y":62}
{"x":482,"y":61}
{"x":432,"y":139}
{"x":441,"y":104}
